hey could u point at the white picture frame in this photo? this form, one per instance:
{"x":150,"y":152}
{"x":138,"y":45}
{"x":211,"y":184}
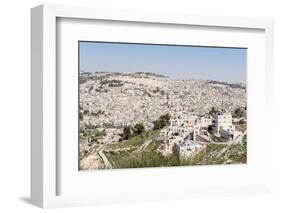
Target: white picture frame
{"x":44,"y":154}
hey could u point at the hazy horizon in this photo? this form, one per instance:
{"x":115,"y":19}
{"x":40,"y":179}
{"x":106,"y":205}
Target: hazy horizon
{"x":176,"y":62}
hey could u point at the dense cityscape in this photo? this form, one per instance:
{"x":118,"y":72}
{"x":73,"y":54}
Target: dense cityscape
{"x":142,"y":119}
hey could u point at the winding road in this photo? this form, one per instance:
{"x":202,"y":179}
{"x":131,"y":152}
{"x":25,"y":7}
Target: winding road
{"x":104,"y":158}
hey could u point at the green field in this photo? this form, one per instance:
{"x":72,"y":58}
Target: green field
{"x":213,"y":154}
{"x":148,"y":157}
{"x":136,"y":141}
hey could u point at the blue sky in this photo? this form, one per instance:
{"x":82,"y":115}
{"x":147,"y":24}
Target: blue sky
{"x":178,"y":62}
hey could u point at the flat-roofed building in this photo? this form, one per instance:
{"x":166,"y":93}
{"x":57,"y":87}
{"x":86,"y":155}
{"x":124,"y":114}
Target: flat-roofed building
{"x":223,"y":121}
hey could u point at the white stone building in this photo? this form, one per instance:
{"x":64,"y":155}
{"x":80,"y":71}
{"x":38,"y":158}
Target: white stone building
{"x":224,"y":126}
{"x":187,"y":148}
{"x":223,"y":121}
{"x":205,"y":122}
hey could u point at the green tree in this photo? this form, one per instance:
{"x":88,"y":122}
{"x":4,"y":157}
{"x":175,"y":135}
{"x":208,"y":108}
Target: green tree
{"x":213,"y":111}
{"x":126,"y":133}
{"x":239,"y":112}
{"x":138,"y":128}
{"x":81,"y":116}
{"x":156,"y":125}
{"x":242,"y":121}
{"x":162,"y":121}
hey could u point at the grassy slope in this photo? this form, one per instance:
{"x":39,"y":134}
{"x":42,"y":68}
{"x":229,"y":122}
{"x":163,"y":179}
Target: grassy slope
{"x":134,"y":141}
{"x":147,"y":158}
{"x":212,"y":154}
{"x":219,"y":154}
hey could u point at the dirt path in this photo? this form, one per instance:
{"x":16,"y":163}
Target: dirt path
{"x":104,"y":158}
{"x":144,"y":145}
{"x":91,"y":162}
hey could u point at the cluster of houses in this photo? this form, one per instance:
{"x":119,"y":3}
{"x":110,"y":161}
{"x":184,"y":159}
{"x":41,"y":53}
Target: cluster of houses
{"x":112,"y":101}
{"x":187,"y":134}
{"x":142,"y":100}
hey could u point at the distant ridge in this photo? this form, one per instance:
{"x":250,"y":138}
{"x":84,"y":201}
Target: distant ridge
{"x":123,"y":73}
{"x":151,"y":74}
{"x":232,"y":85}
{"x":104,"y":74}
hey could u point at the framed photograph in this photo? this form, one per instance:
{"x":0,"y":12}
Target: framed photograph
{"x":129,"y":106}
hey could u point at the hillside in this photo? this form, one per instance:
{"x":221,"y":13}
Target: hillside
{"x":212,"y":154}
{"x":219,"y":154}
{"x":110,"y":102}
